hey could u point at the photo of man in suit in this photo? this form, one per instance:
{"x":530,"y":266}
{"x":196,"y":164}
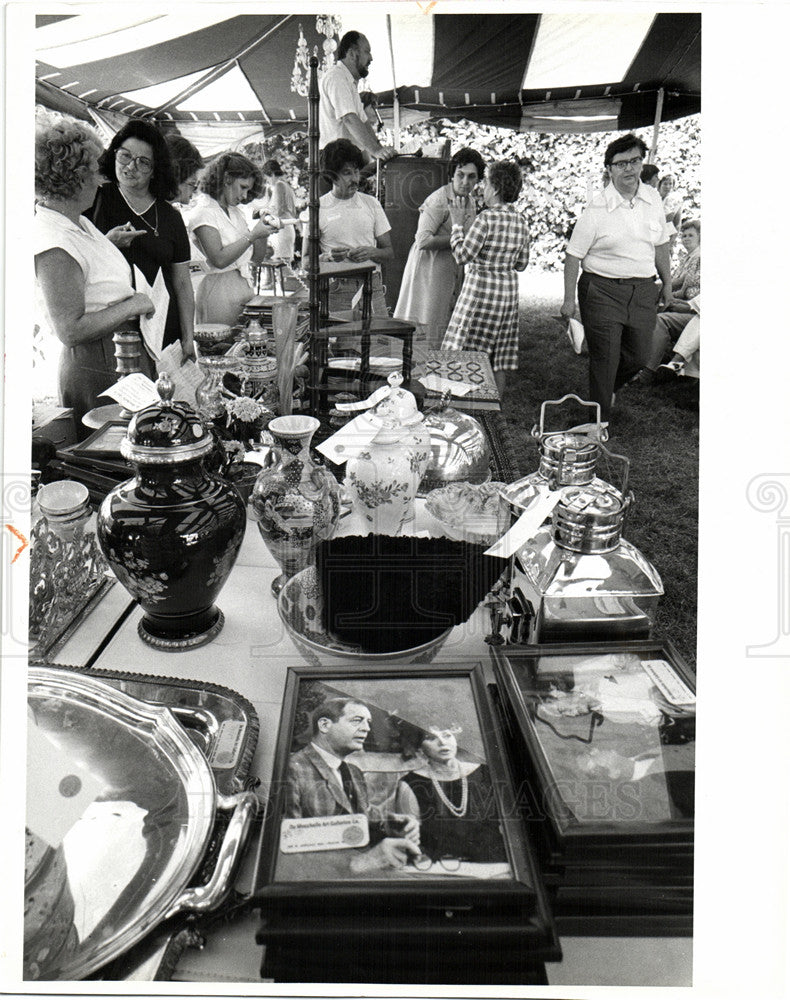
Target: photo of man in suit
{"x":321,"y":782}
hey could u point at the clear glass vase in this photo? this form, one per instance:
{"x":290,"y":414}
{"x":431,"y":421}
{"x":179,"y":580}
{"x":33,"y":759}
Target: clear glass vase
{"x":284,"y":316}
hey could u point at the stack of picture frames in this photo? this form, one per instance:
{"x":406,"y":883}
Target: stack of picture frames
{"x":393,"y":849}
{"x":603,"y":736}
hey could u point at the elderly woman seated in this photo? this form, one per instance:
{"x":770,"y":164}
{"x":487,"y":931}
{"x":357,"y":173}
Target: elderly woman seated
{"x":85,"y":282}
{"x":684,"y":305}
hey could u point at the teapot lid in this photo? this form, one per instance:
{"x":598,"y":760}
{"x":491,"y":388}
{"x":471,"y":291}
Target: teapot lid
{"x":167,"y":432}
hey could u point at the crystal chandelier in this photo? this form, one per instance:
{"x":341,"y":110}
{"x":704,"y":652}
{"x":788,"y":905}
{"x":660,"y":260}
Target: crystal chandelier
{"x":327,"y":25}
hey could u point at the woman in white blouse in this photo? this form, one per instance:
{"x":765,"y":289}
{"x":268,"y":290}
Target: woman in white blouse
{"x":85,"y":282}
{"x":221,"y":233}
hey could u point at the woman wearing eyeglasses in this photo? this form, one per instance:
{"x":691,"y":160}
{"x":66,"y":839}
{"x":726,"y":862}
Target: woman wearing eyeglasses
{"x":458,"y":809}
{"x":133,"y":210}
{"x":187,"y":164}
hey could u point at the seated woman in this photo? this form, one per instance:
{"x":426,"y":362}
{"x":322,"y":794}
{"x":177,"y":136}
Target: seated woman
{"x":134,"y":210}
{"x":671,"y":322}
{"x":222,"y":235}
{"x":432,"y":278}
{"x":85,"y":281}
{"x":458,"y":813}
{"x":485,"y":317}
{"x":352,"y":226}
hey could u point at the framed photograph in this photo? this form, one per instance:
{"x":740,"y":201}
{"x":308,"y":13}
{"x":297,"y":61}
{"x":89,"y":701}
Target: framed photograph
{"x":392,"y":810}
{"x":609,"y":734}
{"x":105,"y":442}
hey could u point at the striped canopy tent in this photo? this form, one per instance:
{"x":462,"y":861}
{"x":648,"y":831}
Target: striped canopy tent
{"x":222,"y":76}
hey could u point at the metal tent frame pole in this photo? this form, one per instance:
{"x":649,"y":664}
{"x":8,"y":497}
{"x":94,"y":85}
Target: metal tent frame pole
{"x":312,"y":240}
{"x":656,"y":125}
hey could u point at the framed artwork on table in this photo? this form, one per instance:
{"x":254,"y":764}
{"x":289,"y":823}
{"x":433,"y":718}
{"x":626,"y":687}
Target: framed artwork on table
{"x":609,"y":734}
{"x":105,"y":442}
{"x":392,"y":812}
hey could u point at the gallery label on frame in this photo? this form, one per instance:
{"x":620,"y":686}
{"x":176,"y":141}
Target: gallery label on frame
{"x":324,"y":833}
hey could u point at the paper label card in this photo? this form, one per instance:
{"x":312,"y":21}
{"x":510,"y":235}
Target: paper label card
{"x":133,"y":392}
{"x":186,"y":376}
{"x":59,"y":790}
{"x":525,"y":528}
{"x":435,"y":383}
{"x":349,"y":441}
{"x":324,"y":833}
{"x":668,"y":683}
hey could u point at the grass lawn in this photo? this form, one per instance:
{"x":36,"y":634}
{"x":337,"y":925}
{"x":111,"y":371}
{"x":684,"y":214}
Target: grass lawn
{"x":656,"y":428}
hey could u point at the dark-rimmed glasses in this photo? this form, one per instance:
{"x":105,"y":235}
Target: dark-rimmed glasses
{"x":125,"y":158}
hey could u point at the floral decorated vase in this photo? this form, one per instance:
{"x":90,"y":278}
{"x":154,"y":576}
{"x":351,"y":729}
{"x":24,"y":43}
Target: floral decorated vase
{"x":383,"y":478}
{"x":296,"y":502}
{"x":173,"y":532}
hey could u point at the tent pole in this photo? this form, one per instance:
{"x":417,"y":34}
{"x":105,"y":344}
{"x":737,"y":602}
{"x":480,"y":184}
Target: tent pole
{"x":659,"y":108}
{"x":395,"y":102}
{"x":312,"y":240}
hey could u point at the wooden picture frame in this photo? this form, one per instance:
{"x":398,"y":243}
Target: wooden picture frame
{"x":609,"y":755}
{"x":104,"y":442}
{"x":487,"y":890}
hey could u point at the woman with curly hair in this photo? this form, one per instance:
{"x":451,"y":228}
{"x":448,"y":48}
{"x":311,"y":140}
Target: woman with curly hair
{"x":485,"y":317}
{"x":84,"y":279}
{"x":432,"y":278}
{"x":222,"y":235}
{"x":134,"y":210}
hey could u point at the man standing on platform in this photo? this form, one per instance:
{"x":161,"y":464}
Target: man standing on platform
{"x":322,"y":783}
{"x":620,"y":240}
{"x":341,"y":114}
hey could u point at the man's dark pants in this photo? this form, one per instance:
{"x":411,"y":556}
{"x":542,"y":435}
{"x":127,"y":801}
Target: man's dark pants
{"x":618,"y":315}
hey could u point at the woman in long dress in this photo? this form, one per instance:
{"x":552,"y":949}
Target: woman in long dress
{"x":485,"y":317}
{"x":280,"y":205}
{"x":222,"y":235}
{"x":432,"y":278}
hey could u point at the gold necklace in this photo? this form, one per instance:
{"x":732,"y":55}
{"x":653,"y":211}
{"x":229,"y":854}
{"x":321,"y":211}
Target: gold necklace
{"x":140,"y":215}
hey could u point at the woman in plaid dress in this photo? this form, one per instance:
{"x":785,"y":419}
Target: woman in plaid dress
{"x":485,"y":317}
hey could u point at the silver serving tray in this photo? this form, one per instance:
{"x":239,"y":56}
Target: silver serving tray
{"x":124,"y":866}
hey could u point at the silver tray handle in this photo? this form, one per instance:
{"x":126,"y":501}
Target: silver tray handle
{"x":203,"y":898}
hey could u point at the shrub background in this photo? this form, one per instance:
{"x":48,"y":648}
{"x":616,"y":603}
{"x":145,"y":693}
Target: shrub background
{"x":557,"y":169}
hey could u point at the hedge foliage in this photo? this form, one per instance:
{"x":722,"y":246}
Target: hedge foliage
{"x":558,"y":169}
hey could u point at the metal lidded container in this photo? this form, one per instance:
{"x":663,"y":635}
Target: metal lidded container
{"x":460,"y":451}
{"x":567,"y":457}
{"x":578,"y":579}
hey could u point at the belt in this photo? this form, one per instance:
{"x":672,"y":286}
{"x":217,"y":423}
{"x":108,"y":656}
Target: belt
{"x":620,"y":281}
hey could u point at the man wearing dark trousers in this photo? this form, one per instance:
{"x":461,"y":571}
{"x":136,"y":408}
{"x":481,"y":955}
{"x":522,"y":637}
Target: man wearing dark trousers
{"x":620,"y":241}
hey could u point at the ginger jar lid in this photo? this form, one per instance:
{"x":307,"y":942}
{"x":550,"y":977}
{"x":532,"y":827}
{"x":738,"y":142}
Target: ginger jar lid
{"x":167,"y":432}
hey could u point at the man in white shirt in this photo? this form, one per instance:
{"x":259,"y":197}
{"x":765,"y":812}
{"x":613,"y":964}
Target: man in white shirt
{"x":341,"y":114}
{"x":322,"y":783}
{"x":620,"y":241}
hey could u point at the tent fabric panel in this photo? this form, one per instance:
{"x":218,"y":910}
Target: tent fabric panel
{"x":44,"y":20}
{"x":482,"y":52}
{"x":670,"y":54}
{"x":599,"y":47}
{"x":194,"y":51}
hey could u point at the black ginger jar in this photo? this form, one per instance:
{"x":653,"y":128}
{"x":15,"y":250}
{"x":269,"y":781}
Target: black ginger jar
{"x":173,"y":532}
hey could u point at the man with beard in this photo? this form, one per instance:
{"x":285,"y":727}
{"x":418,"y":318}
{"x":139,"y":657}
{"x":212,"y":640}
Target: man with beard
{"x":341,"y":114}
